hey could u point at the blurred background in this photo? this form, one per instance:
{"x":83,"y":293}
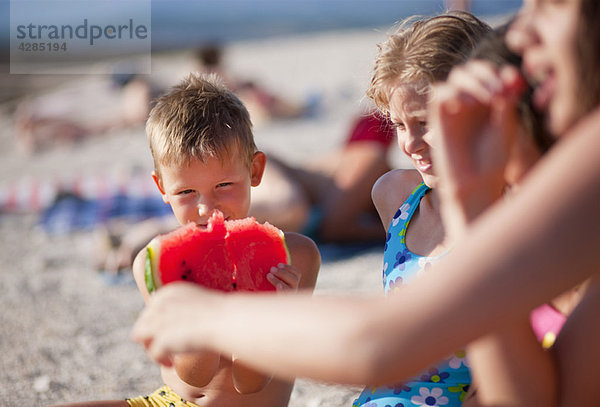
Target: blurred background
{"x":182,"y":24}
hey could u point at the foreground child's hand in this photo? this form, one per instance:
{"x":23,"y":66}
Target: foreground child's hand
{"x":474,"y":119}
{"x":285,"y":277}
{"x":170,"y":323}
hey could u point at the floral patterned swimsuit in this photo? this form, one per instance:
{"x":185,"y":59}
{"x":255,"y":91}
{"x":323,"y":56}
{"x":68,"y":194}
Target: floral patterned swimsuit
{"x":443,"y":385}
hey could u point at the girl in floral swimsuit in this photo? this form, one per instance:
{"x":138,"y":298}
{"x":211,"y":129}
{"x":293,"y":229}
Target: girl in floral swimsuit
{"x":413,"y":58}
{"x":447,"y":383}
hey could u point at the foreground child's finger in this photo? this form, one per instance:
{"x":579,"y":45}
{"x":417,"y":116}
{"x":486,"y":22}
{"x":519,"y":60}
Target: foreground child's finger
{"x":466,"y":80}
{"x":159,"y":355}
{"x":514,"y":81}
{"x":149,"y":323}
{"x":140,"y":332}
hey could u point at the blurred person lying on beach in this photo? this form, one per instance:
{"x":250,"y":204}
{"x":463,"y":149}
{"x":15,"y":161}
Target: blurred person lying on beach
{"x":77,"y":111}
{"x":205,"y":160}
{"x":57,"y":118}
{"x":263,"y":104}
{"x":511,"y":256}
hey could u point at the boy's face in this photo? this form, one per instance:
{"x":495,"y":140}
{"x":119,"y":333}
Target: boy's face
{"x":408,"y":113}
{"x":194,"y":191}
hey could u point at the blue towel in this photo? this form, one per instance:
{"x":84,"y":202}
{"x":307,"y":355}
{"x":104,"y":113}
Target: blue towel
{"x":69,"y":212}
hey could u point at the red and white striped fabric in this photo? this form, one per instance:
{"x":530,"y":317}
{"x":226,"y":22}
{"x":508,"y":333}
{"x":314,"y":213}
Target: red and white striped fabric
{"x":31,"y":195}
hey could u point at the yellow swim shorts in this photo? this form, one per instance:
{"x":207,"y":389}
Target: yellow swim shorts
{"x":163,"y":397}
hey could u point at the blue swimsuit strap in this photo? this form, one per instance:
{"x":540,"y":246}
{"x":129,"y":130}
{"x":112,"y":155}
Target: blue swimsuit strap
{"x":416,"y":196}
{"x":413,"y":200}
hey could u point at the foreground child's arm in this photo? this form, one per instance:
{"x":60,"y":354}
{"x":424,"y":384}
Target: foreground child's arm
{"x":302,"y":275}
{"x":196,"y":369}
{"x":382,"y":340}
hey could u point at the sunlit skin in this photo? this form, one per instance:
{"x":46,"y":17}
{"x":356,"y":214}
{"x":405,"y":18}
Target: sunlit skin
{"x":544,"y":34}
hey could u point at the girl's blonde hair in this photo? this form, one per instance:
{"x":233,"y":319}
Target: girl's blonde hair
{"x":423,"y":50}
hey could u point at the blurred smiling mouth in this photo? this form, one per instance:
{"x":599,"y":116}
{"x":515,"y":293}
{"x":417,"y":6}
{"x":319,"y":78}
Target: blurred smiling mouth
{"x":543,"y":81}
{"x":543,"y":92}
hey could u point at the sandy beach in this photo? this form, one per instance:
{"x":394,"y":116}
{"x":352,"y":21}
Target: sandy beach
{"x":65,"y":328}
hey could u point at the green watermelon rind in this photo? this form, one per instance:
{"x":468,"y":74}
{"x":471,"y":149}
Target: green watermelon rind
{"x":288,"y":256}
{"x":151,"y":266}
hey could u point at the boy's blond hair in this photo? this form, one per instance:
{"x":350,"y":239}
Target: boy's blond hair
{"x":423,"y":50}
{"x":199,"y":118}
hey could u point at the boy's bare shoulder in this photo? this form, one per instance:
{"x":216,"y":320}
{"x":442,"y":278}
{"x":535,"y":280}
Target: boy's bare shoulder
{"x":305,"y":257}
{"x":139,"y":263}
{"x":301,"y":245}
{"x":139,"y":272}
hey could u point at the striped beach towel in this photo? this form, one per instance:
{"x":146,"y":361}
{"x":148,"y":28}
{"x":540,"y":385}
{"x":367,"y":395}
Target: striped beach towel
{"x":83,"y":202}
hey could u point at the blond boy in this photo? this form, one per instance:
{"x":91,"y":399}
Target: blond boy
{"x":205,"y":159}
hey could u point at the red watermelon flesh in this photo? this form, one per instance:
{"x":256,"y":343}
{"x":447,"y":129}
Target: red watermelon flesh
{"x":226,"y":255}
{"x":253,"y":251}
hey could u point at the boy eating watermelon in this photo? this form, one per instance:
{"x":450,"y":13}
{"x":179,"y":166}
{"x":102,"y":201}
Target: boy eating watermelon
{"x":205,"y":159}
{"x":205,"y":162}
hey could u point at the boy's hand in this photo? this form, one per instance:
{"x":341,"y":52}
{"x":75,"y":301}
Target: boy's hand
{"x":170,"y":324}
{"x":284,"y":277}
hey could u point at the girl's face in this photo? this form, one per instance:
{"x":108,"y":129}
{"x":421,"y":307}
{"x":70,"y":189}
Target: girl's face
{"x":408,"y":113}
{"x":544,"y":33}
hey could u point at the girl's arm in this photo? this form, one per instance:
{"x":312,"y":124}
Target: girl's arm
{"x":517,"y":255}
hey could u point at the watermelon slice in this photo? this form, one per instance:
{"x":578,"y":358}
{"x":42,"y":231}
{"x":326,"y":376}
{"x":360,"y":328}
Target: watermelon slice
{"x":228,"y":255}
